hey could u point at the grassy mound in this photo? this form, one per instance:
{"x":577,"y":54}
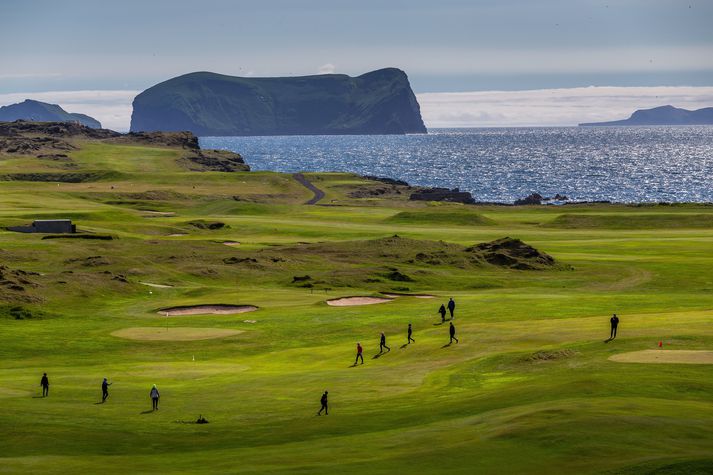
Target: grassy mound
{"x":513,"y":253}
{"x":445,"y":217}
{"x":633,"y":221}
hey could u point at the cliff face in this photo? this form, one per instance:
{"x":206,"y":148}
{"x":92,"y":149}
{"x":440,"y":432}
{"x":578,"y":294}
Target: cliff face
{"x":209,"y":104}
{"x":36,"y":111}
{"x":664,"y":115}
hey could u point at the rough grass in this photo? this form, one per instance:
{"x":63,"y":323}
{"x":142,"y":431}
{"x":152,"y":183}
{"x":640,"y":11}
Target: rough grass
{"x":633,"y":220}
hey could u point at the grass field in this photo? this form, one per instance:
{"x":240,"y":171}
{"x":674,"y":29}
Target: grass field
{"x":530,"y":388}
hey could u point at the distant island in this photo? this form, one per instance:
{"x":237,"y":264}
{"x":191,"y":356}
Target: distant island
{"x":36,"y":111}
{"x":210,"y":104}
{"x":664,"y":115}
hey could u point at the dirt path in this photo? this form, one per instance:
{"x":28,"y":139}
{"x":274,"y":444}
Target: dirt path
{"x":318,"y":194}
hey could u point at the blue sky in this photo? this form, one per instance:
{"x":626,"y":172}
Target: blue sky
{"x":444,"y":46}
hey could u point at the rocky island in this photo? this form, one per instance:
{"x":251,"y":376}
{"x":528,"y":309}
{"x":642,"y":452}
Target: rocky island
{"x":664,"y":115}
{"x":209,"y":104}
{"x":37,"y":111}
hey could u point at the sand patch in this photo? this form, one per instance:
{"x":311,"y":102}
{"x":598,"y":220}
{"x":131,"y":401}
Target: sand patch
{"x":665,"y":356}
{"x":216,"y":309}
{"x":158,"y":286}
{"x":394,"y":295}
{"x":173,"y":334}
{"x":231,"y":243}
{"x":177,"y":235}
{"x":353,"y":301}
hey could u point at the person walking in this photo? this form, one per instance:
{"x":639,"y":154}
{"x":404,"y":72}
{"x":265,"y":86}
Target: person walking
{"x":155,"y":396}
{"x":105,"y":389}
{"x":45,"y":383}
{"x":451,"y":306}
{"x":453,"y":334}
{"x":382,"y":343}
{"x":614,"y":320}
{"x":410,"y":331}
{"x":442,"y":311}
{"x":359,"y":355}
{"x":324,"y":403}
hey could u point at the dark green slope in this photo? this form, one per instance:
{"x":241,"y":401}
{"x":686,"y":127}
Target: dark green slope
{"x":379,"y":102}
{"x":36,"y":111}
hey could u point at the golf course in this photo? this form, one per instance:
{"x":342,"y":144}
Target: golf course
{"x":532,"y":386}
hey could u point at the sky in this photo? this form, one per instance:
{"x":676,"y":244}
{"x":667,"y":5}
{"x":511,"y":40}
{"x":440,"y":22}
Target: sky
{"x":508,"y":56}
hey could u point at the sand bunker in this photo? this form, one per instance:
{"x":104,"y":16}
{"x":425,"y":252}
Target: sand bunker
{"x":158,"y":286}
{"x":173,"y":334}
{"x":418,"y":296}
{"x":665,"y":356}
{"x":352,"y":301}
{"x":231,"y":243}
{"x":177,"y":235}
{"x":217,"y":309}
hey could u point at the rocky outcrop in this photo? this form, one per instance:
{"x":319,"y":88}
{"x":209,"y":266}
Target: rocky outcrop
{"x":513,"y":253}
{"x":443,"y":194}
{"x":37,"y":111}
{"x":209,"y":104}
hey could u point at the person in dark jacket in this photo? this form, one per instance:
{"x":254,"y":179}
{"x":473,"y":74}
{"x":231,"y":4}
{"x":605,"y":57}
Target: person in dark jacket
{"x":442,"y":311}
{"x":382,"y":343}
{"x":359,"y":355}
{"x":453,"y":334}
{"x":325,"y":405}
{"x":155,"y":396}
{"x":105,"y":389}
{"x":45,"y":383}
{"x":451,"y":306}
{"x":410,"y":331}
{"x":614,"y":320}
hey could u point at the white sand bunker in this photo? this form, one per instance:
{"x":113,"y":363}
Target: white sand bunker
{"x":158,"y":286}
{"x":665,"y":356}
{"x":216,"y":309}
{"x":173,"y":334}
{"x":352,"y":301}
{"x":231,"y":243}
{"x":418,"y":296}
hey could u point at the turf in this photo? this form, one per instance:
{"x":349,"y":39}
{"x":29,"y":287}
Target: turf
{"x":529,"y":388}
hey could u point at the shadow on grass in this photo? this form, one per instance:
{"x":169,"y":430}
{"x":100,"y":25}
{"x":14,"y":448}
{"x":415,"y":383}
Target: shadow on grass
{"x":446,"y":345}
{"x":148,"y":411}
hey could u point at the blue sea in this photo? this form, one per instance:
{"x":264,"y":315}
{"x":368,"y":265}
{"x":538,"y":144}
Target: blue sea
{"x":620,"y":164}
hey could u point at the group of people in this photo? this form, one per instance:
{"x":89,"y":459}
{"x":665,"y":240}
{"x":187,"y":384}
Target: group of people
{"x":409,"y":334}
{"x":153,"y":394}
{"x":451,"y":308}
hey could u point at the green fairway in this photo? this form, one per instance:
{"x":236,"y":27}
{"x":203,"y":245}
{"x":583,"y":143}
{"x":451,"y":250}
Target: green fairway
{"x":530,"y":387}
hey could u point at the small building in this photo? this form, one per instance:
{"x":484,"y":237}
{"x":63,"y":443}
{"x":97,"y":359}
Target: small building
{"x":48,"y":226}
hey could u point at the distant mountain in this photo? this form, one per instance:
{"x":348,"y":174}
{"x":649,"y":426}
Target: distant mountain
{"x":36,"y":111}
{"x":664,"y":115}
{"x":209,"y":104}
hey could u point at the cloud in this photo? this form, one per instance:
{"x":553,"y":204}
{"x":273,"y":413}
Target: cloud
{"x":549,"y":107}
{"x":328,"y":68}
{"x":111,"y":108}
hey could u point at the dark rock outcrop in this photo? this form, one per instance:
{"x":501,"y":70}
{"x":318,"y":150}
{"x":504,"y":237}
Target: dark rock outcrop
{"x":664,"y":115}
{"x":37,"y":111}
{"x":443,"y":194}
{"x":209,"y":104}
{"x":513,"y":253}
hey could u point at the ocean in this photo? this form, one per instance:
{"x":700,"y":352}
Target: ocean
{"x":619,"y":164}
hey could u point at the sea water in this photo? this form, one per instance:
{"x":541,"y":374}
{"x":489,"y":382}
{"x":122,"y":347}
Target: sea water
{"x":619,"y":164}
